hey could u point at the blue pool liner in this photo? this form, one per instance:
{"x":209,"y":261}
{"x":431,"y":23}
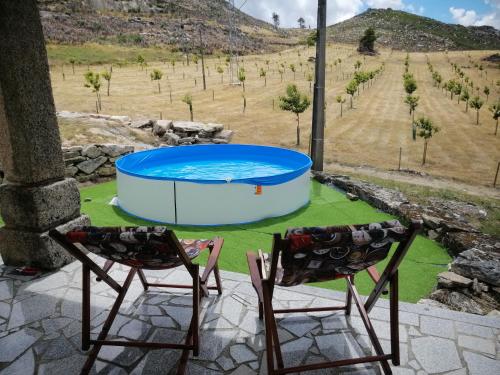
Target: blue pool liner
{"x":284,"y":165}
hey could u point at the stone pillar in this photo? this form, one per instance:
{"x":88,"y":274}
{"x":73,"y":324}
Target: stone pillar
{"x":34,"y":196}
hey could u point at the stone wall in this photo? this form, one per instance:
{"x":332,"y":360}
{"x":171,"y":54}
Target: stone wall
{"x":93,"y":162}
{"x":472,"y":282}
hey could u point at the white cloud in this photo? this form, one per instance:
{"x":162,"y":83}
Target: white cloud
{"x":471,"y":18}
{"x":394,"y":4}
{"x":290,"y":10}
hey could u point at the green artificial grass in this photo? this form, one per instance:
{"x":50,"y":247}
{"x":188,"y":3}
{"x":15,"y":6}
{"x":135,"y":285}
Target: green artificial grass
{"x":418,"y":271}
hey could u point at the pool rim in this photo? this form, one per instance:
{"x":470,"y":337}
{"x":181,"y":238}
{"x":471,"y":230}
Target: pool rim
{"x":287,"y":176}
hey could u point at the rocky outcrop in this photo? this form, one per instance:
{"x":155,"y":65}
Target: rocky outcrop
{"x":178,"y":133}
{"x":93,"y":162}
{"x":473,"y":281}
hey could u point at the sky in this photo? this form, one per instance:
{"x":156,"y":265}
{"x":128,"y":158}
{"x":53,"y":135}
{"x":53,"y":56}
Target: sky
{"x":464,"y":12}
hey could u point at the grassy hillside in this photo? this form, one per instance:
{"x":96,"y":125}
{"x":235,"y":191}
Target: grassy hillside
{"x":407,"y":31}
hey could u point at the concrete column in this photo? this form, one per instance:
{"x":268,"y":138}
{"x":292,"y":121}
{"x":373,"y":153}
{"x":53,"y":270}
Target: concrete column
{"x":34,"y":196}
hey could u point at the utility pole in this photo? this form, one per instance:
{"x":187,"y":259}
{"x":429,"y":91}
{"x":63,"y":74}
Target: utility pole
{"x":318,"y":120}
{"x":202,"y":60}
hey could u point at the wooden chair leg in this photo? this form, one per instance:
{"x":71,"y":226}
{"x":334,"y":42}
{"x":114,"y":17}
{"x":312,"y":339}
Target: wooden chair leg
{"x":394,"y":318}
{"x":218,"y":281}
{"x":142,"y":277}
{"x":107,"y":266}
{"x":268,"y":327}
{"x":196,"y":311}
{"x":261,"y":311}
{"x":348,"y":303}
{"x":85,"y":307}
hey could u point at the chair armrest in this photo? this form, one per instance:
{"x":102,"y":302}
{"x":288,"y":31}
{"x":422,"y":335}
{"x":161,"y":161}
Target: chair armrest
{"x":255,"y":274}
{"x":212,"y":259}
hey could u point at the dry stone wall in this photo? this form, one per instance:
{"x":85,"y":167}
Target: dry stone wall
{"x":93,"y":162}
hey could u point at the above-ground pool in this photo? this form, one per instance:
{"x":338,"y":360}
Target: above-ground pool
{"x":213,"y":184}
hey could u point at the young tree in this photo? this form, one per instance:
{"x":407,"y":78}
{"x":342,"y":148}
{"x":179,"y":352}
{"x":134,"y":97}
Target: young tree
{"x":486,"y":92}
{"x":412,"y":102}
{"x":242,"y":77}
{"x":107,"y":76}
{"x":281,"y":71}
{"x":173,"y":65}
{"x":426,"y":130}
{"x":72,"y":62}
{"x":410,"y":85}
{"x":295,"y":102}
{"x":351,"y":89}
{"x":312,"y":38}
{"x":220,"y":70}
{"x":263,"y":74}
{"x":341,"y":100}
{"x":302,"y":23}
{"x":276,"y":20}
{"x":495,"y":110}
{"x":457,"y":90}
{"x":310,"y":79}
{"x":465,"y":98}
{"x":156,"y":75}
{"x":292,"y":68}
{"x":367,"y":41}
{"x":93,"y":81}
{"x":476,"y":103}
{"x":188,"y":99}
{"x":141,"y":61}
{"x":450,"y":86}
{"x":357,"y":65}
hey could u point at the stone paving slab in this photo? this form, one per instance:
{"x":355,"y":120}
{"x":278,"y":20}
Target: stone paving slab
{"x":40,"y":329}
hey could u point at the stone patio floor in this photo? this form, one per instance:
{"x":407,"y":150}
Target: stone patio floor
{"x":40,"y":329}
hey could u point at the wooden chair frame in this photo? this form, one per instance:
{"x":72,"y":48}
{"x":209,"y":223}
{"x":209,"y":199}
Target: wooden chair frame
{"x":200,"y":288}
{"x":264,"y":281}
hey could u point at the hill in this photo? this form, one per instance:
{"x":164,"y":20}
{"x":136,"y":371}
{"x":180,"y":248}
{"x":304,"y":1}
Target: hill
{"x":174,"y":23}
{"x":406,"y":31}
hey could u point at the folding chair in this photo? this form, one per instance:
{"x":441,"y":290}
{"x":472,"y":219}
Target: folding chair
{"x":150,"y":248}
{"x":307,"y":255}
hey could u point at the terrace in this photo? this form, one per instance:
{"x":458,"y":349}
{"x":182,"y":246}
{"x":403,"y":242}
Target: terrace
{"x":41,"y":315}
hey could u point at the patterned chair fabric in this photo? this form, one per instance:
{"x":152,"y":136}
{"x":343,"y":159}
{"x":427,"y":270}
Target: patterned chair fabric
{"x":140,"y":247}
{"x":327,"y":253}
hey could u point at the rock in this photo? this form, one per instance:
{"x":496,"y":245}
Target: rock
{"x":71,"y":171}
{"x":185,"y":140}
{"x":431,"y":221}
{"x":73,"y":161}
{"x":160,"y":127}
{"x":494,"y":313}
{"x":122,"y":119}
{"x":433,"y":235}
{"x":141,"y":124}
{"x":91,"y":151}
{"x":220,"y":141}
{"x":457,"y":301}
{"x":116,"y":150}
{"x":352,"y":197}
{"x":476,"y":263}
{"x":224,"y":134}
{"x":106,"y":171}
{"x":195,"y":127}
{"x":460,"y":241}
{"x":72,"y":149}
{"x":451,"y":280}
{"x":86,"y":178}
{"x":71,"y":154}
{"x":171,"y":139}
{"x":91,"y":165}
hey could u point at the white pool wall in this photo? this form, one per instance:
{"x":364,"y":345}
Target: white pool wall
{"x":181,"y":202}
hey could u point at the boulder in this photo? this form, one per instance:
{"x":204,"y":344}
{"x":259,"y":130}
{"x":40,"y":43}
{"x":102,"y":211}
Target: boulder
{"x":86,"y":178}
{"x":185,"y":140}
{"x":116,"y":150}
{"x":456,"y":242}
{"x":160,"y":127}
{"x":71,"y":154}
{"x":171,"y":139}
{"x":106,"y":171}
{"x":91,"y":151}
{"x":457,"y":301}
{"x":71,"y":171}
{"x":89,"y":166}
{"x":220,"y":141}
{"x":451,"y":280}
{"x":142,"y":124}
{"x":195,"y":127}
{"x":122,"y":119}
{"x":476,"y":263}
{"x":73,"y":161}
{"x":224,"y":134}
{"x":72,"y":149}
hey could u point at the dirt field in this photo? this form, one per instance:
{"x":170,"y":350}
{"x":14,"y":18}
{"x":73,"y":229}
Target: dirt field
{"x":368,"y":135}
